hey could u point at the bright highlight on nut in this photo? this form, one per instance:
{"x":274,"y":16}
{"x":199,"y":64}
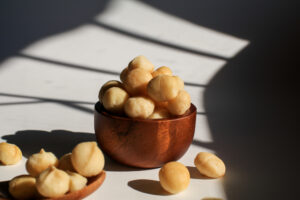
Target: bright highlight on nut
{"x":23,"y":187}
{"x":53,"y":182}
{"x":162,"y":71}
{"x":174,"y":177}
{"x":114,"y":99}
{"x":141,"y":62}
{"x":210,"y":165}
{"x":10,"y":154}
{"x":38,"y":162}
{"x":137,"y":80}
{"x":106,"y":86}
{"x":87,"y":159}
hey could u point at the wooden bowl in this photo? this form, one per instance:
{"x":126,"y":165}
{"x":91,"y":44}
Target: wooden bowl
{"x":144,"y":143}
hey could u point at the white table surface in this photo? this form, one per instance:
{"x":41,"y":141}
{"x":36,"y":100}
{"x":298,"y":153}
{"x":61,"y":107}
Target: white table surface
{"x":48,"y":89}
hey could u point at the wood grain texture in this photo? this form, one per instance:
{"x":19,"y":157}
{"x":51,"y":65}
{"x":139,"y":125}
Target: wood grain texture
{"x":144,"y":143}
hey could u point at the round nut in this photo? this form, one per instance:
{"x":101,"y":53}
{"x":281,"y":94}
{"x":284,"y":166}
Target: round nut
{"x":141,"y":62}
{"x":65,"y":163}
{"x":139,"y":107}
{"x":53,"y":182}
{"x":160,"y":113}
{"x":162,"y":71}
{"x":108,"y":85}
{"x":10,"y":154}
{"x":87,"y":159}
{"x":123,"y":74}
{"x":210,"y":165}
{"x":180,"y":104}
{"x":114,"y":99}
{"x":136,"y":81}
{"x":23,"y":187}
{"x":77,"y":182}
{"x":163,"y":88}
{"x":174,"y":177}
{"x":180,"y":82}
{"x":38,"y":162}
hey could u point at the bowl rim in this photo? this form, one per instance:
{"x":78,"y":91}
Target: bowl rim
{"x":98,"y":108}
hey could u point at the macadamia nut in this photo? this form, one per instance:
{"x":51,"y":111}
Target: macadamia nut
{"x":23,"y":187}
{"x":141,"y":62}
{"x":162,"y":71}
{"x":87,"y":159}
{"x":123,"y":74}
{"x":139,"y":107}
{"x":108,"y":85}
{"x":10,"y":154}
{"x":53,"y":182}
{"x":180,"y":104}
{"x":180,"y":82}
{"x":160,"y":113}
{"x":38,"y":162}
{"x":174,"y":177}
{"x":210,"y":165}
{"x":65,"y":163}
{"x":77,"y":182}
{"x":136,"y":81}
{"x":114,"y":99}
{"x":163,"y":88}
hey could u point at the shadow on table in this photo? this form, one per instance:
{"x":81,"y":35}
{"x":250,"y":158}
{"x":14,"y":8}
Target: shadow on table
{"x":148,"y":186}
{"x":59,"y":142}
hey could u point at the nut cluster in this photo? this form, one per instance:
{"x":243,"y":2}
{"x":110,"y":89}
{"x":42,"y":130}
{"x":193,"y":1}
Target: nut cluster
{"x":49,"y":177}
{"x":145,"y":93}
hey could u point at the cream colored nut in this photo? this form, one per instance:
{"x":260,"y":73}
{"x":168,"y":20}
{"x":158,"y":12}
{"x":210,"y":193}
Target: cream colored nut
{"x":163,"y":88}
{"x":53,"y":182}
{"x":65,"y":163}
{"x":180,"y":82}
{"x":160,"y":113}
{"x":38,"y":162}
{"x":10,"y":154}
{"x":180,"y":104}
{"x":114,"y":99}
{"x":139,"y":107}
{"x":162,"y":71}
{"x":210,"y":165}
{"x":136,"y":81}
{"x":106,"y":86}
{"x":87,"y":159}
{"x":23,"y":187}
{"x":174,"y":177}
{"x":123,"y":74}
{"x":141,"y":62}
{"x":77,"y":182}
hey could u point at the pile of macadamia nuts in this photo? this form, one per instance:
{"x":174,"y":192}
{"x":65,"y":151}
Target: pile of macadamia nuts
{"x":49,"y":177}
{"x":145,"y":93}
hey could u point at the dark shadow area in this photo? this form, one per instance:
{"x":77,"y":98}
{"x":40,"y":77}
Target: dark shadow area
{"x":211,"y":198}
{"x":251,"y":102}
{"x":148,"y":186}
{"x":59,"y":142}
{"x":112,"y":165}
{"x":4,"y":193}
{"x":195,"y":174}
{"x":24,"y":22}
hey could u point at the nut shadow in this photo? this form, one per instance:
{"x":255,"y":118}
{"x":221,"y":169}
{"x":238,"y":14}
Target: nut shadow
{"x":195,"y":174}
{"x":4,"y":193}
{"x":148,"y":186}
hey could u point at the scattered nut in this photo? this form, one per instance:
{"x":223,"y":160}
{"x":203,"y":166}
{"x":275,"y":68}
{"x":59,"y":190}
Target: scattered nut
{"x":23,"y":187}
{"x":139,"y":107}
{"x":65,"y":163}
{"x":141,"y":62}
{"x":77,"y":182}
{"x":10,"y":154}
{"x":162,"y":71}
{"x":87,"y":159}
{"x":210,"y":165}
{"x":108,"y":85}
{"x":180,"y":104}
{"x":114,"y":99}
{"x":160,"y":113}
{"x":38,"y":162}
{"x":174,"y":177}
{"x":163,"y":88}
{"x":137,"y":80}
{"x":53,"y":182}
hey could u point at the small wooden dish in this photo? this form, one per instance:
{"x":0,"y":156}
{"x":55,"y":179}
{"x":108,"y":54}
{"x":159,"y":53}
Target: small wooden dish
{"x":93,"y":184}
{"x":144,"y":143}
